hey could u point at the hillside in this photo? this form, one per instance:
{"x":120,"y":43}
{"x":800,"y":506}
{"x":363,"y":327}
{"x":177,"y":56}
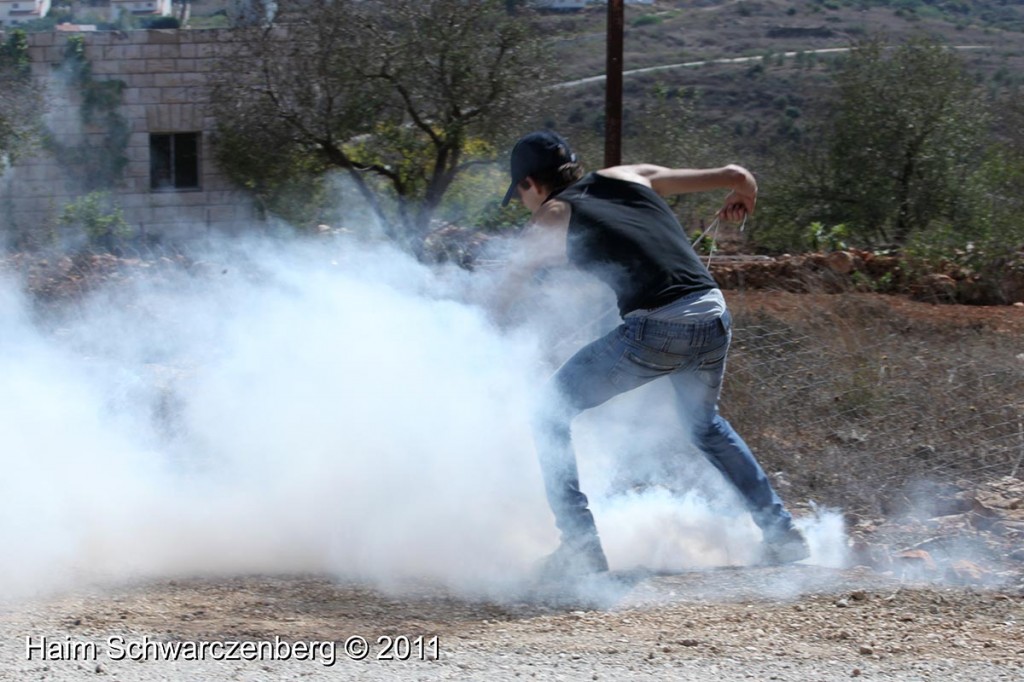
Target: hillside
{"x":756,"y":106}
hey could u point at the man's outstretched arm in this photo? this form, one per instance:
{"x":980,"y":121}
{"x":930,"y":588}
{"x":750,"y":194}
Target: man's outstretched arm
{"x":670,"y":181}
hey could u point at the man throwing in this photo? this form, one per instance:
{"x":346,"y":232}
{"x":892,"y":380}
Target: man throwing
{"x":614,"y":224}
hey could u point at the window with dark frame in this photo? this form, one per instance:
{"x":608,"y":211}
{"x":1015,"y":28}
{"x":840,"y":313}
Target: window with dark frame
{"x":174,"y":161}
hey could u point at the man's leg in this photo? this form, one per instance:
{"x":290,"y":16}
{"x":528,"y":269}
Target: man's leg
{"x":579,"y":384}
{"x":697,"y":391}
{"x":589,"y":378}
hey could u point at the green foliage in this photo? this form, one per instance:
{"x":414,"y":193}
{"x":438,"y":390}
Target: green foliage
{"x":395,"y":94}
{"x":285,"y":181}
{"x":911,"y":157}
{"x":705,"y":243}
{"x":14,"y":53}
{"x":821,"y":238}
{"x":882,"y":284}
{"x":892,"y":156}
{"x":990,"y":235}
{"x":474,"y":200}
{"x":97,"y":155}
{"x":99,"y":219}
{"x":216,"y":20}
{"x":20,"y":101}
{"x":906,"y":123}
{"x":99,"y":98}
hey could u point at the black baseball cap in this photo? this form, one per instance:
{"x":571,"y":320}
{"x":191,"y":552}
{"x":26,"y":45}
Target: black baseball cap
{"x":534,"y":153}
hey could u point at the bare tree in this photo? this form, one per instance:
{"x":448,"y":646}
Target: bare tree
{"x":394,"y":92}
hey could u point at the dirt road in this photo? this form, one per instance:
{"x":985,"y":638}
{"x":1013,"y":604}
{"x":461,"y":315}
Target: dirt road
{"x":793,"y":623}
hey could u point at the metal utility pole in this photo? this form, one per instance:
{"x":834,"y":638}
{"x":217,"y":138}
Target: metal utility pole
{"x":613,"y":86}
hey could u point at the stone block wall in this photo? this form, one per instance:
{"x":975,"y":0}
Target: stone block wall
{"x":166,"y":76}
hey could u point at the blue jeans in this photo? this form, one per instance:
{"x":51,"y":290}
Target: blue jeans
{"x":640,"y":350}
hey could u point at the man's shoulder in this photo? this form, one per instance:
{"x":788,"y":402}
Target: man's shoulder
{"x":554,"y":213}
{"x":638,"y":174}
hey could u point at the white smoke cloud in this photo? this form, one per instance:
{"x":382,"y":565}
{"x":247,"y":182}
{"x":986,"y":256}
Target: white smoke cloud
{"x":320,"y":407}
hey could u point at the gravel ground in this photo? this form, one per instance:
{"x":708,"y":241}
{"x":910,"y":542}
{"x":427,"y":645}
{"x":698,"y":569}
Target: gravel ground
{"x":792,"y":623}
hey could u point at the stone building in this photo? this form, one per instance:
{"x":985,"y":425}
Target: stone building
{"x":167,"y":184}
{"x":140,"y":8}
{"x":14,"y":12}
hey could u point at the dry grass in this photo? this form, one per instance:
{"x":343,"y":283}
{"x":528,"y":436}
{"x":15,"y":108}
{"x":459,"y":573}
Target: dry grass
{"x":864,"y":406}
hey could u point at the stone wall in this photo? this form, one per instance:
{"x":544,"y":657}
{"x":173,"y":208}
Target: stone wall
{"x":166,"y":74}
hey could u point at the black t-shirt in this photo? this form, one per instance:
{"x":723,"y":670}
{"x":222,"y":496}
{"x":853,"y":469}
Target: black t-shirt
{"x":624,"y":233}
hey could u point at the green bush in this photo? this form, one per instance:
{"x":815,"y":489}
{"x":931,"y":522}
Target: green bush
{"x":99,"y":219}
{"x":820,"y":238}
{"x":988,"y":235}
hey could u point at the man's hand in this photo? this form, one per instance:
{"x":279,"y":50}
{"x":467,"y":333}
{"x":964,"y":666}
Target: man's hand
{"x":740,"y":202}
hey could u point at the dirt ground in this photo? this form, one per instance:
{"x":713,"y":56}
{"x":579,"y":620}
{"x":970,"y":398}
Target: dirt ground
{"x":1001,"y":319}
{"x":800,"y":622}
{"x":792,"y":623}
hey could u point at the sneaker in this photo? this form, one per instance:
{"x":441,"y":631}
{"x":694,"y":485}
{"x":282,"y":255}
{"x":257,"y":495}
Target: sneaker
{"x":785,"y":547}
{"x":574,"y":558}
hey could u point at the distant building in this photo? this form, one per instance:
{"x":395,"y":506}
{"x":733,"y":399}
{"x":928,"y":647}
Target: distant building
{"x":170,"y":188}
{"x":140,"y":8}
{"x":14,"y":12}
